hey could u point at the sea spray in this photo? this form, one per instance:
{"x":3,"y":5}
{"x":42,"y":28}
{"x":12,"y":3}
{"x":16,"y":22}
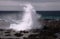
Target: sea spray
{"x":29,"y":19}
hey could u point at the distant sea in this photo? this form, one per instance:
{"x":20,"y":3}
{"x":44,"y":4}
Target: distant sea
{"x":45,"y":14}
{"x":50,"y":14}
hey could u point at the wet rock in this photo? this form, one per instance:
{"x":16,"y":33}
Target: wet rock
{"x":23,"y":31}
{"x":1,"y":30}
{"x":25,"y":38}
{"x":34,"y":36}
{"x":36,"y":30}
{"x":18,"y":34}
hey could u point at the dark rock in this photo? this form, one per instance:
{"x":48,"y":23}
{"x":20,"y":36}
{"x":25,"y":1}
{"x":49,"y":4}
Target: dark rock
{"x":35,"y":30}
{"x":33,"y":36}
{"x":25,"y":38}
{"x":1,"y":30}
{"x":23,"y":31}
{"x":18,"y":34}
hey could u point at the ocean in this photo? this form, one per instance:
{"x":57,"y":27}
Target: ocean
{"x":45,"y":14}
{"x":50,"y":14}
{"x":12,"y":16}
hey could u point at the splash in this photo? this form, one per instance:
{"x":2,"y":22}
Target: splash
{"x":29,"y":19}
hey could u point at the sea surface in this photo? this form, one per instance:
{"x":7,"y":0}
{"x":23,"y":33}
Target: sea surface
{"x":50,"y":14}
{"x":45,"y":14}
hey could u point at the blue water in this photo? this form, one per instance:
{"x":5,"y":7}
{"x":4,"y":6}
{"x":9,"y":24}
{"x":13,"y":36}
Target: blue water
{"x":45,"y":14}
{"x":50,"y":14}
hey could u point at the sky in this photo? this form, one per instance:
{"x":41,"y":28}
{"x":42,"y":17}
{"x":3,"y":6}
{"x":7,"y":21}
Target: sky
{"x":39,"y":5}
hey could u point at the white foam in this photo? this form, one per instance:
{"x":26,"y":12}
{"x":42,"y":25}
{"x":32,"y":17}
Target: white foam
{"x":29,"y":19}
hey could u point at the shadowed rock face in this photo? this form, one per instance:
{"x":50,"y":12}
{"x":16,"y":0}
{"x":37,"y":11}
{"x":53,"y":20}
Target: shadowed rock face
{"x":4,"y":24}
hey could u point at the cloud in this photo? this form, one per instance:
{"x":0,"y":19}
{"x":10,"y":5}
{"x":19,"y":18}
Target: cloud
{"x":15,"y":5}
{"x":47,"y":6}
{"x":38,"y":0}
{"x":34,"y":0}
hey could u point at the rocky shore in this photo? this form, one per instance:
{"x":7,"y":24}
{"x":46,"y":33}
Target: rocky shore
{"x":51,"y":30}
